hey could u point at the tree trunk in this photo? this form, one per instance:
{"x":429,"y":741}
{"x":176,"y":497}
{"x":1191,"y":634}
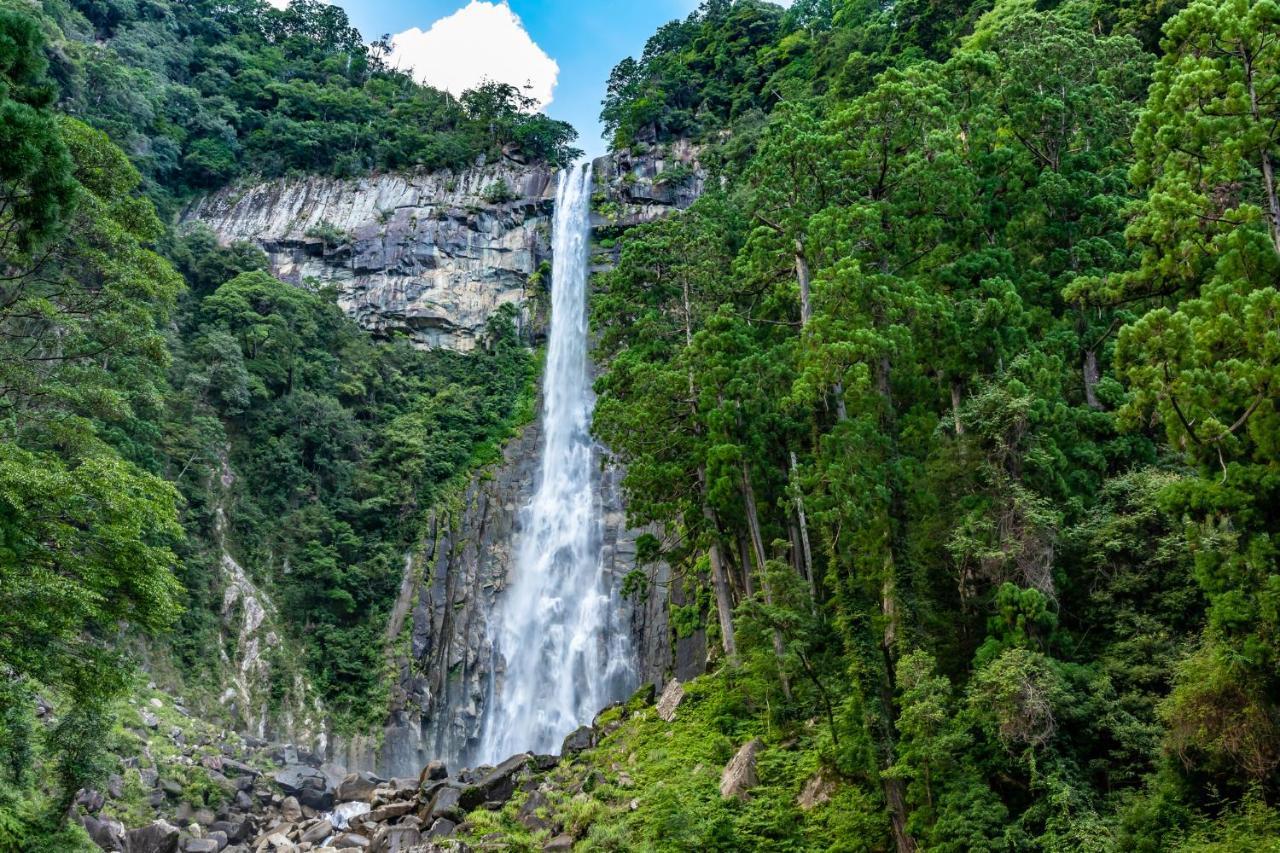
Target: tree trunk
{"x":753,"y":524}
{"x":719,"y":579}
{"x":1092,"y":375}
{"x":1268,"y":166}
{"x":955,"y":408}
{"x":805,"y":278}
{"x":806,"y":552}
{"x":744,"y":552}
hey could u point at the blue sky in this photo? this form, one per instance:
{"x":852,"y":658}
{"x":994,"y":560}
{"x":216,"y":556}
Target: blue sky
{"x":585,"y":38}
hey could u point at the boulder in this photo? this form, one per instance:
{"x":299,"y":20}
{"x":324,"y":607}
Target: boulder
{"x":317,"y":832}
{"x":159,"y":837}
{"x":529,"y":816}
{"x":543,"y":763}
{"x":107,"y":834}
{"x":358,"y":786}
{"x":559,"y":843}
{"x":579,"y":740}
{"x":442,"y":828}
{"x":350,"y":841}
{"x":297,"y":777}
{"x":204,"y":817}
{"x":237,"y":768}
{"x":319,"y":801}
{"x":333,"y":774}
{"x":391,"y":811}
{"x":291,"y":810}
{"x":434,"y":772}
{"x":90,"y":800}
{"x":739,"y":774}
{"x":447,"y":802}
{"x":221,"y":838}
{"x":199,"y":845}
{"x":672,"y":696}
{"x":817,"y":790}
{"x":395,"y":839}
{"x":499,"y":784}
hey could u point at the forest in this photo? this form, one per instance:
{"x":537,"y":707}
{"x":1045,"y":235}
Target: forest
{"x":952,"y":404}
{"x":955,"y":401}
{"x":139,"y":361}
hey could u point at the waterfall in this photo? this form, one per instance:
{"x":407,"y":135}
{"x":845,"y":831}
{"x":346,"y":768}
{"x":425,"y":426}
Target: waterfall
{"x":564,"y":651}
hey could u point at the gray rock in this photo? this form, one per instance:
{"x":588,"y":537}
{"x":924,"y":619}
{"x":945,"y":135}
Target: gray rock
{"x":296,"y":777}
{"x":672,"y":696}
{"x":358,"y":786}
{"x":423,"y":253}
{"x":159,"y":837}
{"x":435,"y":771}
{"x":236,"y":830}
{"x":320,"y":801}
{"x":579,"y":740}
{"x":499,"y":784}
{"x":220,"y":838}
{"x":447,"y":802}
{"x":350,"y":841}
{"x":396,"y":839}
{"x":199,"y":845}
{"x":90,"y":800}
{"x":559,"y":843}
{"x":291,"y":810}
{"x":529,"y":816}
{"x":739,"y":775}
{"x":107,"y":834}
{"x":442,"y":828}
{"x":817,"y":790}
{"x":317,"y":832}
{"x":391,"y":811}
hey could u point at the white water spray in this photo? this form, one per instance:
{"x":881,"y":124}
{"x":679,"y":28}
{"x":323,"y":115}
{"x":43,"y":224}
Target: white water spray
{"x":565,"y":654}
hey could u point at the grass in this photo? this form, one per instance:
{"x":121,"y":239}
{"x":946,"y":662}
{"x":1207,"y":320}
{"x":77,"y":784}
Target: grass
{"x":655,"y":786}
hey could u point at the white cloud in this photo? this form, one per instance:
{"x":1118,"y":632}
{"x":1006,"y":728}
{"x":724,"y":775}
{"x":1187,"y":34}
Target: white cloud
{"x":482,"y":41}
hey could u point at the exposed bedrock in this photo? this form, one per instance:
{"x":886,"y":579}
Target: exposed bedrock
{"x":429,"y":254}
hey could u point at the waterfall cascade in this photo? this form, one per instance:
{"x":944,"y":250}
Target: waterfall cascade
{"x":561,"y":635}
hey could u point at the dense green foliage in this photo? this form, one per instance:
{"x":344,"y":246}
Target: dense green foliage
{"x":338,"y":445}
{"x":166,"y":405}
{"x":956,"y":403}
{"x":200,"y":93}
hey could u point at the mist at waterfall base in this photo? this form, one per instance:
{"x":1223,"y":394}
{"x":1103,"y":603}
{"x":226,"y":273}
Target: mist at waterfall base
{"x":561,"y":636}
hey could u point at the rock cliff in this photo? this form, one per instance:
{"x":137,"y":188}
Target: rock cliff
{"x":428,"y":254}
{"x":433,"y":255}
{"x":640,"y":185}
{"x":440,"y":626}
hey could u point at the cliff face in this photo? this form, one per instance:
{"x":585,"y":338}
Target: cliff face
{"x":641,"y":185}
{"x":431,"y":255}
{"x":428,"y":255}
{"x":440,"y":630}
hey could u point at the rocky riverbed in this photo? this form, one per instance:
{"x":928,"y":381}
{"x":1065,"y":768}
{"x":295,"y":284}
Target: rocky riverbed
{"x":196,"y":789}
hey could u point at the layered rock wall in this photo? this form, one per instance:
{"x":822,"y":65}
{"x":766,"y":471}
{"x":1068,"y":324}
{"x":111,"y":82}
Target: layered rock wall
{"x":429,"y":254}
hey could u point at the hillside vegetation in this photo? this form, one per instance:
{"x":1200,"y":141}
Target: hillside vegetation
{"x":166,"y":405}
{"x":956,"y":403}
